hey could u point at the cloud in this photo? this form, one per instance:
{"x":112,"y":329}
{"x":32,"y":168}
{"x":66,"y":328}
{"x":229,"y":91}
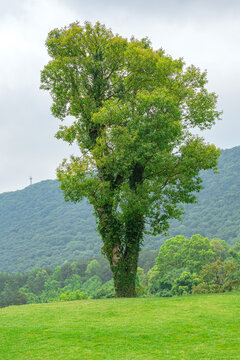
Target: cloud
{"x":205,"y":33}
{"x":172,"y":10}
{"x":27,"y":139}
{"x":11,"y":8}
{"x":26,"y":126}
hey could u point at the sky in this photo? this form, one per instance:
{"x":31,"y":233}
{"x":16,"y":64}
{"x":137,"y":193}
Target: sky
{"x":205,"y":33}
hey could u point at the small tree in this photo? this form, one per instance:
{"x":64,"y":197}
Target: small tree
{"x":133,"y":109}
{"x":218,"y":276}
{"x":220,"y":248}
{"x":180,"y":252}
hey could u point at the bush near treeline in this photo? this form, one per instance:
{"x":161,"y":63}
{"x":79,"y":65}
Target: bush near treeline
{"x":182,"y":266}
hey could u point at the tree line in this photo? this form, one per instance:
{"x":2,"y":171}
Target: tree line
{"x":182,"y":267}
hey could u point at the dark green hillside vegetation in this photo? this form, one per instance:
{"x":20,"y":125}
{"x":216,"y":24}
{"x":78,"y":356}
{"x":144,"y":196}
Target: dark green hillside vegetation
{"x":217,"y":213}
{"x":38,"y":228}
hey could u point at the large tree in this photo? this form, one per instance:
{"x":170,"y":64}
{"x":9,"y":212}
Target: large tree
{"x":132,"y":110}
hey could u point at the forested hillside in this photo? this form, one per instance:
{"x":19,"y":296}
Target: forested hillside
{"x":37,"y":228}
{"x":217,"y":213}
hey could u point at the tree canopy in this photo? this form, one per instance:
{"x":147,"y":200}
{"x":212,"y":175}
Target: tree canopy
{"x":134,"y":109}
{"x":180,"y":252}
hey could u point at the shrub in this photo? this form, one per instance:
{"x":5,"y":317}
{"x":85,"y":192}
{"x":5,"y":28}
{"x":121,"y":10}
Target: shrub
{"x":73,"y":295}
{"x":202,"y":288}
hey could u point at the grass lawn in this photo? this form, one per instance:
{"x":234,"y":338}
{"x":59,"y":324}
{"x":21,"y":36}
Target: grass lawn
{"x":192,"y":327}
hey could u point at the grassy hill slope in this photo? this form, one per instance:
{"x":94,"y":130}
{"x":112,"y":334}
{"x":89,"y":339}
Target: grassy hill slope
{"x":37,"y":228}
{"x":194,"y":327}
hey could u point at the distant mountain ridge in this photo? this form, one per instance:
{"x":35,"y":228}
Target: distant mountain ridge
{"x":38,"y":228}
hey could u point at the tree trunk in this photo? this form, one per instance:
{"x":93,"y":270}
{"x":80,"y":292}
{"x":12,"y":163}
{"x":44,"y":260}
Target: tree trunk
{"x":125,"y":258}
{"x":124,"y":272}
{"x":121,"y":247}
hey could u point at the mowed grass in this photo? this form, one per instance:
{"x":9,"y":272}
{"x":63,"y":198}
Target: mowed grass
{"x":193,"y":327}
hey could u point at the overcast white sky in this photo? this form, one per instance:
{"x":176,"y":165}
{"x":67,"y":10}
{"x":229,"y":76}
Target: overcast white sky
{"x":205,"y":33}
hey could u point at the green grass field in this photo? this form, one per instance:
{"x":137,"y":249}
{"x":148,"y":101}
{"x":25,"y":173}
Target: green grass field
{"x":193,"y":327}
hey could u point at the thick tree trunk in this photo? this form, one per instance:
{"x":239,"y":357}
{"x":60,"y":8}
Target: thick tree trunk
{"x":125,"y":258}
{"x":124,"y":272}
{"x":121,"y":247}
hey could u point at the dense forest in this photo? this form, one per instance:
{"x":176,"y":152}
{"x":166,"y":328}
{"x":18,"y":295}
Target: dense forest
{"x":181,"y":267}
{"x":38,"y":228}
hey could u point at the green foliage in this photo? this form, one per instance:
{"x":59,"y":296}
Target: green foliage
{"x":73,"y":295}
{"x":217,"y":213}
{"x":180,"y":252}
{"x":11,"y":295}
{"x":218,"y":276}
{"x":39,"y":229}
{"x":147,"y":259}
{"x":134,"y":110}
{"x":73,"y":283}
{"x":105,"y":291}
{"x":34,"y":221}
{"x":183,"y":285}
{"x":36,"y":281}
{"x":93,"y":278}
{"x":187,"y":266}
{"x":51,"y":289}
{"x":92,"y":285}
{"x":236,"y":247}
{"x":220,"y":248}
